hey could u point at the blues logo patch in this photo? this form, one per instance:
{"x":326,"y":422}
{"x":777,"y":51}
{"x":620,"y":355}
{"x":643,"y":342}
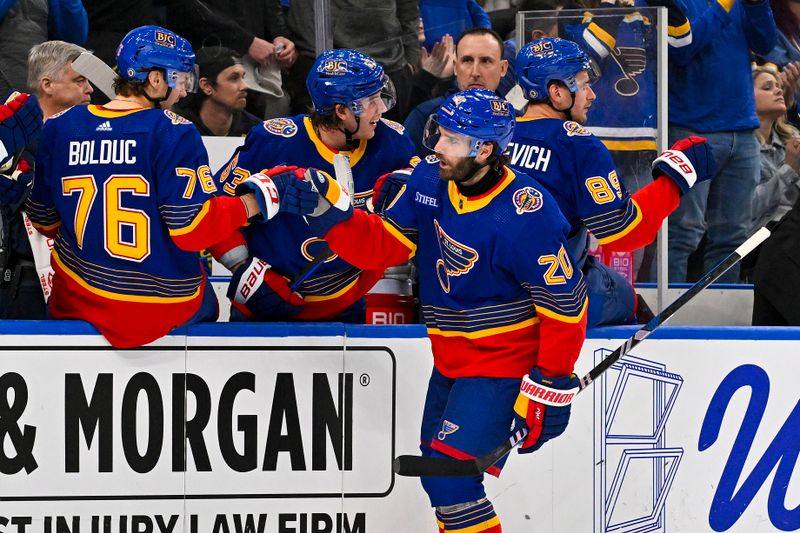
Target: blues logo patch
{"x":573,"y":129}
{"x":457,"y":258}
{"x":432,"y":159}
{"x":527,"y":200}
{"x":281,"y":126}
{"x":175,"y":118}
{"x":448,"y":428}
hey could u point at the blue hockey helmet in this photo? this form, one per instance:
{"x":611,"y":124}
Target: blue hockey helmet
{"x":479,"y":115}
{"x":350,"y":78}
{"x":546,"y":60}
{"x":148,"y":47}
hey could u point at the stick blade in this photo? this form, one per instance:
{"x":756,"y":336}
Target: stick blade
{"x":417,"y":466}
{"x":96,"y":71}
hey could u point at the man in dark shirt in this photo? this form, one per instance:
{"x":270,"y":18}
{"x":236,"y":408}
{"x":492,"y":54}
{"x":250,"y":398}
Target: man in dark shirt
{"x":217,"y":108}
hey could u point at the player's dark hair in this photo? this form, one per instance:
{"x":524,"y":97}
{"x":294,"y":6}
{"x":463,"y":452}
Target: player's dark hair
{"x":483,"y":31}
{"x":328,"y":121}
{"x":132,"y":87}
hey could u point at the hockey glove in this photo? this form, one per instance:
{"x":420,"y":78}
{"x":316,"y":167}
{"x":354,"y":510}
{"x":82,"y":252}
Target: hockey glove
{"x":687,"y":163}
{"x":334,"y":202}
{"x":14,"y":188}
{"x":261,"y":294}
{"x":543,"y":405}
{"x":387,"y":187}
{"x":280,"y":189}
{"x":20,"y":124}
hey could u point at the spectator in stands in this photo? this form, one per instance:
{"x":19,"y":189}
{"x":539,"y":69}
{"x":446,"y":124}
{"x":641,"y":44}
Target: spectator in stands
{"x":386,"y":30}
{"x":450,"y":17}
{"x":254,"y":28}
{"x":58,"y":87}
{"x":434,"y":73}
{"x":25,"y":23}
{"x":777,"y":190}
{"x":707,"y":76}
{"x":479,"y":63}
{"x":217,"y":108}
{"x":776,"y":277}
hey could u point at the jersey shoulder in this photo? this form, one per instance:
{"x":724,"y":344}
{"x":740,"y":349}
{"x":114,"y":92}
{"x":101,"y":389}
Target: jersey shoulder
{"x":532,"y":199}
{"x":280,"y":128}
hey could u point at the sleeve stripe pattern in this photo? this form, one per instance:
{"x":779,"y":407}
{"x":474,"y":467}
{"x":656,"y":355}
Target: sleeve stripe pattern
{"x":330,"y":285}
{"x":480,"y":319}
{"x":615,"y":224}
{"x":183,"y":219}
{"x":127,"y":285}
{"x":41,"y":215}
{"x":405,"y":236}
{"x":567,"y":307}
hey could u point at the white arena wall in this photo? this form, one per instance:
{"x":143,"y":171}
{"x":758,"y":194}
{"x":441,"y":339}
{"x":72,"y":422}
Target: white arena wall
{"x":292,"y":428}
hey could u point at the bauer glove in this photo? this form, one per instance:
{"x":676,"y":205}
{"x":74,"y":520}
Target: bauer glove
{"x":334,"y":204}
{"x":259,"y":293}
{"x":543,"y":405}
{"x":689,"y":162}
{"x":280,"y":190}
{"x":20,"y":124}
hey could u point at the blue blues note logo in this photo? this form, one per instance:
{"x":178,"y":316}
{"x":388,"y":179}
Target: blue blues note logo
{"x":781,"y":455}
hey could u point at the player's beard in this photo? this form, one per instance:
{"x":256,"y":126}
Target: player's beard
{"x":459,"y":170}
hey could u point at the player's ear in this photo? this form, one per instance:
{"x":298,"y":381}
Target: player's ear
{"x":556,"y":93}
{"x":154,"y":77}
{"x":205,"y":86}
{"x":45,"y":86}
{"x":485,"y":152}
{"x":341,"y":112}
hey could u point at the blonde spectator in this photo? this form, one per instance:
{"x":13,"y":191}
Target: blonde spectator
{"x":777,"y":189}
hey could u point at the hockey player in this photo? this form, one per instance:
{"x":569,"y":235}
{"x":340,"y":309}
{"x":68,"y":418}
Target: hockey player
{"x":551,"y":144}
{"x":350,"y":92}
{"x":125,"y":191}
{"x":494,"y":315}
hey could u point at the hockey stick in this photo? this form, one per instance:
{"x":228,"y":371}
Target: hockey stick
{"x":344,"y":175}
{"x":96,"y":71}
{"x":414,"y":465}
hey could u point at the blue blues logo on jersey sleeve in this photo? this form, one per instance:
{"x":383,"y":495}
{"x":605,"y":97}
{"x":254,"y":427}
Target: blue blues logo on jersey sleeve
{"x":457,"y":258}
{"x":527,"y":200}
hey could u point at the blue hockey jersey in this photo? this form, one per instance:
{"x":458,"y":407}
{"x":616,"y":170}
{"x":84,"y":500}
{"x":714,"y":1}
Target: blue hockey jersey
{"x":286,"y":242}
{"x":127,"y":196}
{"x":498,"y":291}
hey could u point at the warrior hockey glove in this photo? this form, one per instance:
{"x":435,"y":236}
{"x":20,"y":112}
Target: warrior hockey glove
{"x":280,"y":189}
{"x":387,"y":187}
{"x":687,"y":163}
{"x":20,"y":123}
{"x":543,"y":405}
{"x":13,"y":188}
{"x":259,"y":293}
{"x":334,"y":202}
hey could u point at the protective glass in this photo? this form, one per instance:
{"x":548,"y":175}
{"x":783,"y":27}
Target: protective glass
{"x":448,"y":142}
{"x":183,"y":80}
{"x":382,"y":101}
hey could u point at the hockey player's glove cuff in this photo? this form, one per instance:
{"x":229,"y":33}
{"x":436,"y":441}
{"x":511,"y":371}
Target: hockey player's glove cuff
{"x":543,"y":405}
{"x":334,"y":203}
{"x":20,"y":124}
{"x":387,"y":188}
{"x":261,"y":294}
{"x":280,"y":190}
{"x":690,"y":161}
{"x":14,"y":187}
